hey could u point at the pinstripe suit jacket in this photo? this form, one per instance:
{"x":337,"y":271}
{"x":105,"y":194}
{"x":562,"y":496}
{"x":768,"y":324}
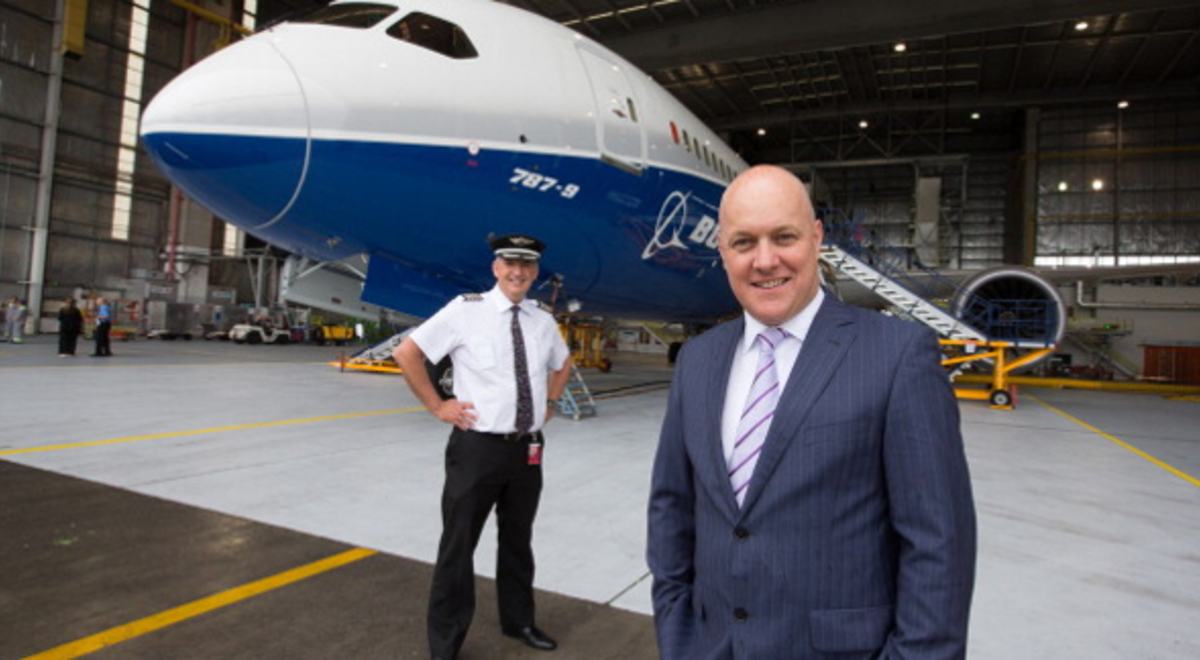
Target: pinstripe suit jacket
{"x":857,"y":535}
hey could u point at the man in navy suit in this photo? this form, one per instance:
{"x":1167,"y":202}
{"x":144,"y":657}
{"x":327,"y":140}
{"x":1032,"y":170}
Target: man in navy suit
{"x":810,"y":497}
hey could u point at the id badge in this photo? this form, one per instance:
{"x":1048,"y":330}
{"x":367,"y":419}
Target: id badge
{"x":535,"y":453}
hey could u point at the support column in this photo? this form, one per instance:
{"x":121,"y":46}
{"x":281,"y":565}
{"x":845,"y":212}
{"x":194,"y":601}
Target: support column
{"x":1027,"y":235}
{"x":41,"y":209}
{"x":925,"y":223}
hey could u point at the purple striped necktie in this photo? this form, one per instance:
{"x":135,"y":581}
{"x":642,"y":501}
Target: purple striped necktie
{"x":756,"y":414}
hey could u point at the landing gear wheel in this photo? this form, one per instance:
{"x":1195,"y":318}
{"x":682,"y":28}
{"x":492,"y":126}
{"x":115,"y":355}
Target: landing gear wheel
{"x":673,"y":351}
{"x":1001,"y":398}
{"x":442,"y":376}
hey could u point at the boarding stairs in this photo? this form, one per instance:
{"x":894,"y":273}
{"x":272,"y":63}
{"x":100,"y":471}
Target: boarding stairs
{"x":375,"y":358}
{"x":383,"y":350}
{"x":577,"y":401}
{"x":905,"y":302}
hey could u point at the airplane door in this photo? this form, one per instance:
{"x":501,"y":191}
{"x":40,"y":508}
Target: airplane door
{"x":618,"y":119}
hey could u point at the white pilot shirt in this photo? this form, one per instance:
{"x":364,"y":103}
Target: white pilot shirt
{"x":745,"y":363}
{"x":477,"y":335}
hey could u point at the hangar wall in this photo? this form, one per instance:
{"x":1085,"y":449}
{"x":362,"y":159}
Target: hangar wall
{"x":1114,"y":324}
{"x":1147,"y":157}
{"x":82,"y":255}
{"x":81,"y":251}
{"x":1147,"y":160}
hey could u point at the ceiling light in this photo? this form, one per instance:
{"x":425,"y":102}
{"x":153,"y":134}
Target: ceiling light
{"x":863,"y":124}
{"x":975,"y":115}
{"x":1081,"y":26}
{"x":1123,"y":104}
{"x":900,"y":47}
{"x":1097,"y":184}
{"x":762,"y":132}
{"x":1062,"y":186}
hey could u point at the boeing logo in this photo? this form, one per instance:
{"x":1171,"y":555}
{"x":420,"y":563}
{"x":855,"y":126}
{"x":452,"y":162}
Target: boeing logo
{"x":672,"y":222}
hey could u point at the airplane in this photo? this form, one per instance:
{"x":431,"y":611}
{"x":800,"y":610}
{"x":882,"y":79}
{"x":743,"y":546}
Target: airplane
{"x":408,"y":131}
{"x":402,"y":133}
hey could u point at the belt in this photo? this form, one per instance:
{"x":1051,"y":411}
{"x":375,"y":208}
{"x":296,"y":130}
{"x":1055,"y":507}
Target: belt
{"x":508,"y":437}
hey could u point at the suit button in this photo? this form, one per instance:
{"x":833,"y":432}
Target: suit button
{"x":741,"y":533}
{"x":740,"y":614}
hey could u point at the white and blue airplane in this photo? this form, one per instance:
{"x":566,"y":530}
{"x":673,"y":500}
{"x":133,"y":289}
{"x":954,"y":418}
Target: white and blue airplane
{"x":407,"y":131}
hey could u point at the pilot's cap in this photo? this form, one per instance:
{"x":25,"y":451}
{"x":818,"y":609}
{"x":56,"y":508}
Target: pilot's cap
{"x":517,"y":246}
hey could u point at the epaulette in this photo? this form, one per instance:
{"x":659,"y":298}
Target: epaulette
{"x":472,"y":297}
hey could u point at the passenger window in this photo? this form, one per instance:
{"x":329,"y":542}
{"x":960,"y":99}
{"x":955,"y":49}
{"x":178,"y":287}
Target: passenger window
{"x":351,"y":15}
{"x":687,"y":143}
{"x":435,"y":34}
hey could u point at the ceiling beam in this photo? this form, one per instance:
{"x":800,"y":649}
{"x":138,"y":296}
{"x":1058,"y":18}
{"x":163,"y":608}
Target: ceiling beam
{"x":966,"y":102}
{"x":768,"y":30}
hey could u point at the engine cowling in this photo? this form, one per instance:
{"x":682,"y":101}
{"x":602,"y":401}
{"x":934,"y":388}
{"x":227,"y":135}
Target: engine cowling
{"x":1010,"y":303}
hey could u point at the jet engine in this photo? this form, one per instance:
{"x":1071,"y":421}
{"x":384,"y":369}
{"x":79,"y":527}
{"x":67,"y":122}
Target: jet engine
{"x":1010,"y":303}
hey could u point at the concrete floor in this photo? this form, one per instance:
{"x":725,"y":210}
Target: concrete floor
{"x":134,"y":489}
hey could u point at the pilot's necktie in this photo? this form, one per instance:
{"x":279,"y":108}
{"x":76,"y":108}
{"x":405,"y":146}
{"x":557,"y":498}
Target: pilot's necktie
{"x":521,"y":366}
{"x":756,"y":414}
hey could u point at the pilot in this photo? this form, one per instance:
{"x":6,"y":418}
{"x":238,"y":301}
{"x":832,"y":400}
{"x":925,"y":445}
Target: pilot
{"x":510,"y":368}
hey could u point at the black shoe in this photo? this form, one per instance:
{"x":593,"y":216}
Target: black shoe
{"x":533,"y":637}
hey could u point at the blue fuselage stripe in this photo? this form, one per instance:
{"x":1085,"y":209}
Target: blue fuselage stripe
{"x":638,"y":245}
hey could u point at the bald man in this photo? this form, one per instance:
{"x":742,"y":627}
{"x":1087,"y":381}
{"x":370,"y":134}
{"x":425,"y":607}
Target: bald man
{"x":810,"y":498}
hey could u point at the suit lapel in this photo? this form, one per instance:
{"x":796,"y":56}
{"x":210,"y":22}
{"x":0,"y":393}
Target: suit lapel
{"x":830,"y":337}
{"x":716,"y":378}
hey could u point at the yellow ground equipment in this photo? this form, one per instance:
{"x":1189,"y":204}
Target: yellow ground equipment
{"x":333,"y":334}
{"x":586,"y":341}
{"x":1001,"y":393}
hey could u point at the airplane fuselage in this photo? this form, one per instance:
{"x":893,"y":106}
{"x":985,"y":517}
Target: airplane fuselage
{"x":332,"y":139}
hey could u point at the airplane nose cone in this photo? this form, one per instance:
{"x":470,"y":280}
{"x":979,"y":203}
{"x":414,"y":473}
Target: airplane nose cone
{"x":232,"y":132}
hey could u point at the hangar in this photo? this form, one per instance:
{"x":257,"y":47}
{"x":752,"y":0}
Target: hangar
{"x":203,"y":500}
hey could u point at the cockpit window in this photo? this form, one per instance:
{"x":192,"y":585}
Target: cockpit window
{"x":435,"y":34}
{"x":353,"y":15}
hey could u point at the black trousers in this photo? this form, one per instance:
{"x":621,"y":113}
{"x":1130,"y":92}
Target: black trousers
{"x":482,"y":472}
{"x":102,"y":347}
{"x":66,"y":342}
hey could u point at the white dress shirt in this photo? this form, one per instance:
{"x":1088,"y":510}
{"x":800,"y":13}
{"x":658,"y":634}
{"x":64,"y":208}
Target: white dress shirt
{"x":745,"y":362}
{"x":477,"y":335}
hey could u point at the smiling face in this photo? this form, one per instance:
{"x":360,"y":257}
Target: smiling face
{"x":770,"y":244}
{"x":514,"y":276}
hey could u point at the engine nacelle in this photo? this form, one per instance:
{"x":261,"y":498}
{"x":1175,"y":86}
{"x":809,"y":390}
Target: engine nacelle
{"x":1010,"y":303}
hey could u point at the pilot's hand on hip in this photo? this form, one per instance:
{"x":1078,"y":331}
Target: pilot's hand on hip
{"x":459,"y":413}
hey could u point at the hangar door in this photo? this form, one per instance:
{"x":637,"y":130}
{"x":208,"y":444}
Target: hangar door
{"x":618,"y":122}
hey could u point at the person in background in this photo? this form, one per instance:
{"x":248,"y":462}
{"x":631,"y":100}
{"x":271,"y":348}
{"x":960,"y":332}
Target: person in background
{"x":10,"y":308}
{"x":810,"y":498}
{"x":10,"y":317}
{"x":14,"y":320}
{"x":70,"y":326}
{"x":103,"y":326}
{"x":511,"y":366}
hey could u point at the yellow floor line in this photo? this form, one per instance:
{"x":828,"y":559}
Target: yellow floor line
{"x":1121,"y":443}
{"x":218,"y":429}
{"x":128,"y":631}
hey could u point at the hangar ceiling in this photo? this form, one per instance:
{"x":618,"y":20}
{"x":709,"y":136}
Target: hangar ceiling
{"x":807,"y":72}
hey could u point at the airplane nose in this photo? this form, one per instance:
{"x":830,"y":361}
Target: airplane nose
{"x":232,"y":132}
